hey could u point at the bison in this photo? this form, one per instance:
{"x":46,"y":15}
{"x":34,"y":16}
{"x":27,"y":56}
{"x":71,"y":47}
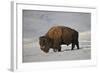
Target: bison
{"x":57,"y":36}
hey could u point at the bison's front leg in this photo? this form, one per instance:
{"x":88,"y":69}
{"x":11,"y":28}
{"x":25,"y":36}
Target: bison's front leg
{"x":59,"y":49}
{"x":56,"y":46}
{"x":55,"y":50}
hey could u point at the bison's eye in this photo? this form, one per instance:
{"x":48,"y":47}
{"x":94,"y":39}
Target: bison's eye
{"x":44,"y":41}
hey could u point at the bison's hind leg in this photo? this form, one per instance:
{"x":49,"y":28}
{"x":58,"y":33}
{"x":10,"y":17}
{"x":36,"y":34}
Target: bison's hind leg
{"x":77,"y":44}
{"x":73,"y":45}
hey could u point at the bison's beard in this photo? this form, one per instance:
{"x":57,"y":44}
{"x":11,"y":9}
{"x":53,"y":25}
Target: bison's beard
{"x":46,"y":50}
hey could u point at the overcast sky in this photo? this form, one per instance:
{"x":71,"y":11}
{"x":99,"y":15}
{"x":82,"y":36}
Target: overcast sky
{"x":37,"y":23}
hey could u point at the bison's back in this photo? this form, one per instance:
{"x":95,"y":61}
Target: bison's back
{"x":61,"y":33}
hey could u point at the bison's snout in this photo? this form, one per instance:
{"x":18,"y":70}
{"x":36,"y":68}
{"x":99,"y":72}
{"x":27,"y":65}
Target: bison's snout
{"x":42,"y":47}
{"x":46,"y":51}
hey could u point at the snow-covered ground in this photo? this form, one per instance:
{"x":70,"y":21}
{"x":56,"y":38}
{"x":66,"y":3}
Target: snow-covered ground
{"x":32,"y":53}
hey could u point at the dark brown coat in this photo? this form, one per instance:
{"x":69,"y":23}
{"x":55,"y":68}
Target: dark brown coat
{"x":57,"y":36}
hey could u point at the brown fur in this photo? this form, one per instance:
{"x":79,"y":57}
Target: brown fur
{"x":57,"y":36}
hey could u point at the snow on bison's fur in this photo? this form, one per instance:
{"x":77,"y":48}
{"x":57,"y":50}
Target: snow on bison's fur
{"x":57,"y":36}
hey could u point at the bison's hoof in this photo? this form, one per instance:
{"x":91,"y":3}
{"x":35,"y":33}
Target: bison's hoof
{"x":55,"y":50}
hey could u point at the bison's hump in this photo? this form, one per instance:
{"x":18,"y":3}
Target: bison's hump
{"x":55,"y":32}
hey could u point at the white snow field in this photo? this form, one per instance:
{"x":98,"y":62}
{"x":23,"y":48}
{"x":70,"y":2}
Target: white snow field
{"x":33,"y":53}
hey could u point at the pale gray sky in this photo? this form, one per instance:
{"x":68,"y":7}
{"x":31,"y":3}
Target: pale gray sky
{"x":37,"y":23}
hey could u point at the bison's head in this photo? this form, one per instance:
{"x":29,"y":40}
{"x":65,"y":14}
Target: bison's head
{"x":44,"y":44}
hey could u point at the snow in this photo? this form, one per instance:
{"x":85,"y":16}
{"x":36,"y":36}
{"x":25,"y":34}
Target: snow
{"x":33,"y":53}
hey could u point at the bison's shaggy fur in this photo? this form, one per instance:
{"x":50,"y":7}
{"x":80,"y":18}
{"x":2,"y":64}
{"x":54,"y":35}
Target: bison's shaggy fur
{"x":57,"y":36}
